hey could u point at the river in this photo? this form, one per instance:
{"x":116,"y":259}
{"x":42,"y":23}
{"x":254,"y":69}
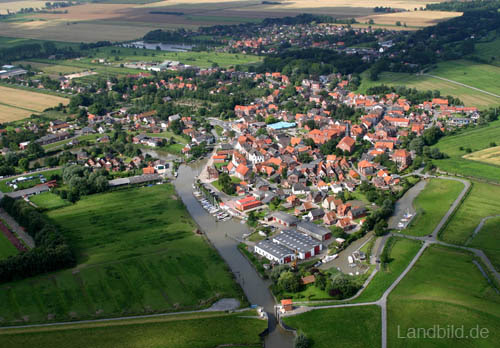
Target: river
{"x":224,"y":235}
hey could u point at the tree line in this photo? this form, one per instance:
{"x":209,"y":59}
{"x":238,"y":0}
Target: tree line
{"x":51,"y":251}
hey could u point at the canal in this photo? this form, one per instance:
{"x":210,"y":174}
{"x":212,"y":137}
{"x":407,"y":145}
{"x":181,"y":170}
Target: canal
{"x":224,"y":236}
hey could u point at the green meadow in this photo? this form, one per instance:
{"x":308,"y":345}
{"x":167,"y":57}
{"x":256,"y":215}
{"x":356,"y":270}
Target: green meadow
{"x":432,"y":204}
{"x":444,"y":288}
{"x":200,"y":330}
{"x":401,"y":252}
{"x":137,"y":253}
{"x":354,"y":327}
{"x":482,"y":201}
{"x":476,"y":139}
{"x":482,"y":76}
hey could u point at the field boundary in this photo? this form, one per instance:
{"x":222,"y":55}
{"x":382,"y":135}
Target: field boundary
{"x":463,"y":85}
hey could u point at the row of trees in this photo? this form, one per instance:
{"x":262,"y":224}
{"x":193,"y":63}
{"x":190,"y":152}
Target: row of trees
{"x":51,"y":252}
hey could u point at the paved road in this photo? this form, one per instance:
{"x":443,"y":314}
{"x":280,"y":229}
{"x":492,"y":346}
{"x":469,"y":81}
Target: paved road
{"x":479,"y":227}
{"x":464,"y":85}
{"x":211,"y":309}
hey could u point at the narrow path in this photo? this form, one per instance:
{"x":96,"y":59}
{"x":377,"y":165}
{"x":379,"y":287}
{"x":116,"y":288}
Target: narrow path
{"x":17,"y":229}
{"x":145,"y":316}
{"x":479,"y":227}
{"x":464,"y":85}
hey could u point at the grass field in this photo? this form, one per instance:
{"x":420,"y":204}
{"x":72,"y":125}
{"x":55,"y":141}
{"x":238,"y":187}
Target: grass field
{"x":17,"y":104}
{"x":489,"y":51}
{"x":431,"y":204}
{"x":481,"y":201}
{"x":51,"y":69}
{"x":198,"y":330}
{"x":150,"y":261}
{"x":488,"y":240}
{"x":401,"y":253}
{"x":6,"y":247}
{"x":490,"y":155}
{"x":476,"y":139}
{"x":444,"y":288}
{"x":355,"y":327}
{"x":482,"y":76}
{"x":48,"y":200}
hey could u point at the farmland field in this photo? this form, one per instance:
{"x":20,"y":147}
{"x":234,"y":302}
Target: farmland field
{"x":481,"y":201}
{"x":444,"y":288}
{"x":411,"y":19}
{"x":6,"y":247}
{"x":476,"y":139}
{"x":347,"y":327}
{"x":198,"y":330}
{"x":481,"y":76}
{"x":431,"y":204}
{"x":117,"y":20}
{"x":29,"y":101}
{"x":150,"y":261}
{"x":491,"y":155}
{"x":9,"y":113}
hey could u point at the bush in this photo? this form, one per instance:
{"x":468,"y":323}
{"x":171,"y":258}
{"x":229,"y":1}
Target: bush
{"x":301,"y":341}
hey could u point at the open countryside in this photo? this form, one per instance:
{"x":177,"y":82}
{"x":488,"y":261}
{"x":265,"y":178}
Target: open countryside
{"x":278,"y":174}
{"x":151,"y":261}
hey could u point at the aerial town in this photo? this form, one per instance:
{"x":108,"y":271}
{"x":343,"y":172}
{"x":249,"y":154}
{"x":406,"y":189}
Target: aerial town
{"x":282,"y":181}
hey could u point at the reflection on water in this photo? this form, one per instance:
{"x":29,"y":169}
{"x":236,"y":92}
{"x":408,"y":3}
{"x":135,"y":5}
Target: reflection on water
{"x":219,"y":233}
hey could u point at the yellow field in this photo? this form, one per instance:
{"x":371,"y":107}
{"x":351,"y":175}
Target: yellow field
{"x":490,"y":155}
{"x":14,"y":6}
{"x":301,"y":4}
{"x":90,"y":22}
{"x":9,"y":114}
{"x":411,"y":18}
{"x":19,"y":98}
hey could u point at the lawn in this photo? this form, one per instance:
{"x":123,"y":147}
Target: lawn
{"x":340,"y":327}
{"x":198,"y":330}
{"x":136,"y":253}
{"x":6,"y":247}
{"x":476,"y":139}
{"x":444,"y":288}
{"x":481,"y":201}
{"x":488,"y":240}
{"x":401,"y":252}
{"x":48,"y":200}
{"x":431,"y":205}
